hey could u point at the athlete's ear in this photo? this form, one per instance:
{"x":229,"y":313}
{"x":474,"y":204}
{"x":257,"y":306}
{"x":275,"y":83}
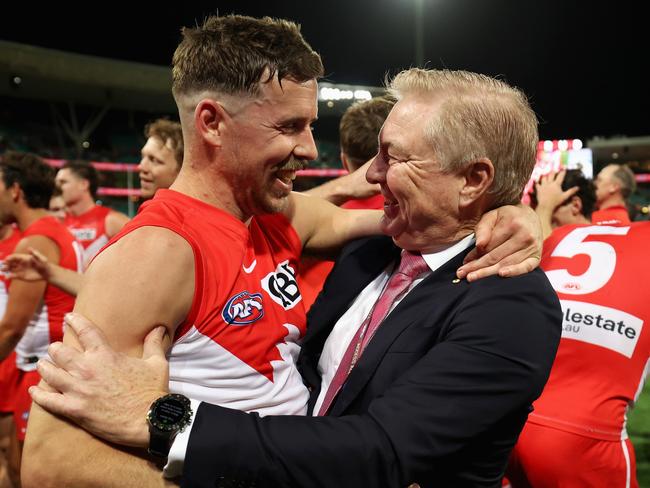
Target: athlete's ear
{"x":209,"y":119}
{"x":576,"y":205}
{"x":16,"y":192}
{"x":85,"y":184}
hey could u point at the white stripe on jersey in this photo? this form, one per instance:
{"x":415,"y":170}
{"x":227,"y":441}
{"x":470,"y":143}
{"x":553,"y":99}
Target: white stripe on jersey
{"x":4,"y":296}
{"x":636,"y":397}
{"x":626,"y":455}
{"x":35,"y":340}
{"x":203,"y":370}
{"x":91,"y":251}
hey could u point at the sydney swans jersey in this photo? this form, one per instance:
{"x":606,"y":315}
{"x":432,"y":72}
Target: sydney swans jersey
{"x":611,"y":216}
{"x":89,"y":229}
{"x":7,"y":246}
{"x":600,"y":274}
{"x":239,"y":344}
{"x":47,"y":324}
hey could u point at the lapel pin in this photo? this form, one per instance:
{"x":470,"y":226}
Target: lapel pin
{"x":454,"y":281}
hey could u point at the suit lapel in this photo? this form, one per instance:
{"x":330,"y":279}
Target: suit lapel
{"x":420,"y":304}
{"x":350,"y":276}
{"x":359,"y":264}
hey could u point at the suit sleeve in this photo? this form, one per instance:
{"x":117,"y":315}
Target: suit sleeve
{"x":492,"y":361}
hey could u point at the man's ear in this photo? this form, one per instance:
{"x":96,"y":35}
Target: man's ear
{"x":478,"y":177}
{"x":576,"y":205}
{"x":209,"y":119}
{"x":345,"y":160}
{"x":16,"y":192}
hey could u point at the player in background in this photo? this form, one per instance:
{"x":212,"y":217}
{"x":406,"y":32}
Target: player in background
{"x":614,"y":185}
{"x":576,"y":435}
{"x":162,"y":158}
{"x":33,"y":317}
{"x":9,"y":236}
{"x":92,"y":225}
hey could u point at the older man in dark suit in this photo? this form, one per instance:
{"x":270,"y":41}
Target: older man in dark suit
{"x":417,"y":377}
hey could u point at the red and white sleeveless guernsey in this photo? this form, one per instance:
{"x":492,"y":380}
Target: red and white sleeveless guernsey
{"x":601,"y":276}
{"x":7,"y":365}
{"x":7,"y":246}
{"x":89,"y":229}
{"x":47,"y":324}
{"x":239,"y":344}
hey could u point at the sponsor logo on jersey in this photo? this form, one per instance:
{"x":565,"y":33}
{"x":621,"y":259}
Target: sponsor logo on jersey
{"x":601,"y":326}
{"x":243,"y":309}
{"x":84,"y":234}
{"x":282,"y":287}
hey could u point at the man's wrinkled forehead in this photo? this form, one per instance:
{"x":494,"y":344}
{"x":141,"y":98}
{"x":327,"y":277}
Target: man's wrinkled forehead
{"x":400,"y":122}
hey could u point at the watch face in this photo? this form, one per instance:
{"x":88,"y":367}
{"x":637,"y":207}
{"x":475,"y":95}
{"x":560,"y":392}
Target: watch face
{"x":169,"y":413}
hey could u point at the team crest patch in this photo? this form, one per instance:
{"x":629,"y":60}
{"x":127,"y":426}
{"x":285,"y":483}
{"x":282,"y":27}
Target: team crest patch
{"x":282,"y":287}
{"x":243,"y":309}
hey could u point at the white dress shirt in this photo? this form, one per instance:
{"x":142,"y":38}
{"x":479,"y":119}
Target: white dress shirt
{"x":346,"y":327}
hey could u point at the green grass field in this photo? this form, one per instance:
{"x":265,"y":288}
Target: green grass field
{"x":639,"y":429}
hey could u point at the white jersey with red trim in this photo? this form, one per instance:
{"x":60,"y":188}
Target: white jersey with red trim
{"x":47,"y":324}
{"x":601,"y":274}
{"x":239,"y":344}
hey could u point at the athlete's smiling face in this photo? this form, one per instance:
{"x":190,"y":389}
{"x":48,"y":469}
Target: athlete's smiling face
{"x":158,"y":167}
{"x":270,"y":139}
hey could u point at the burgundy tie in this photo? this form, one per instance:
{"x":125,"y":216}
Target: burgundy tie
{"x":411,"y":265}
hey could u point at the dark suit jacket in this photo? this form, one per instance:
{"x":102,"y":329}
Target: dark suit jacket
{"x":438,"y":397}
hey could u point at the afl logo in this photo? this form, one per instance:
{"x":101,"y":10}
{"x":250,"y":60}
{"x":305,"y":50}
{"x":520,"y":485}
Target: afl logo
{"x":571,"y":286}
{"x":243,"y":309}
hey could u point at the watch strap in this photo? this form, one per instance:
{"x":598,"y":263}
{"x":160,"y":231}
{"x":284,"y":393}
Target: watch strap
{"x":160,"y":442}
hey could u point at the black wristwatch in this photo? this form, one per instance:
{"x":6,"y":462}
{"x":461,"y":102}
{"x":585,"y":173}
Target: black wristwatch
{"x":167,"y":416}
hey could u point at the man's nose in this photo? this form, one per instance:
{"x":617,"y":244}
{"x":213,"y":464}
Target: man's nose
{"x":306,"y":147}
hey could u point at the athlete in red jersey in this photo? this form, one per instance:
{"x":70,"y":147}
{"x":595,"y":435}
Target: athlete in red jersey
{"x":9,"y":237}
{"x":238,"y":345}
{"x":615,"y":215}
{"x":614,"y":184}
{"x":92,"y":225}
{"x":34,"y":314}
{"x":576,"y":435}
